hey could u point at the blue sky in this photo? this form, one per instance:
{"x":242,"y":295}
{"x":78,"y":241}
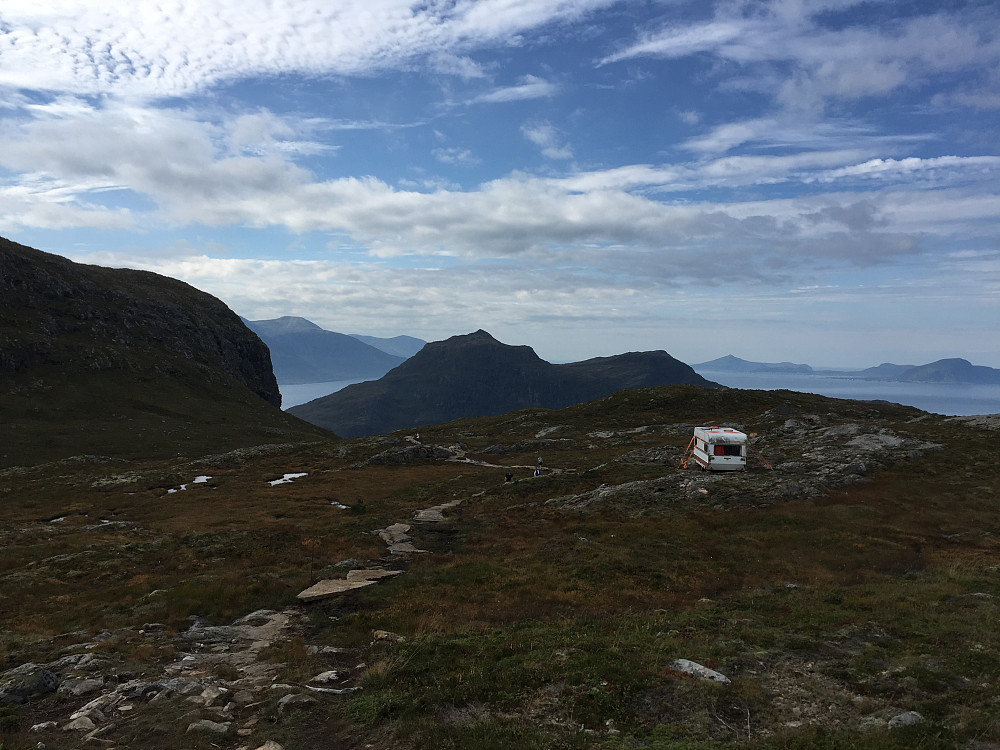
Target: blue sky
{"x":806,"y":180}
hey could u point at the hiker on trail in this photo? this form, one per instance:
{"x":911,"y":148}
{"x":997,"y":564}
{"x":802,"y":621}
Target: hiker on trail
{"x":539,"y":461}
{"x":509,"y":476}
{"x":538,"y":472}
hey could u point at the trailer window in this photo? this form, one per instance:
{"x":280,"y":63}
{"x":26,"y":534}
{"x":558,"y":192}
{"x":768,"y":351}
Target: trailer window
{"x":728,"y":450}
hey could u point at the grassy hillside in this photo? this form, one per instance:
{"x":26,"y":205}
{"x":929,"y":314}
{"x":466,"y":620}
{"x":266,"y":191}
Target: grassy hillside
{"x":855,"y":582}
{"x":119,"y":415}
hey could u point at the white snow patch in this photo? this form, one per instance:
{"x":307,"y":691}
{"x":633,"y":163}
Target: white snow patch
{"x":335,"y":504}
{"x":200,"y":479}
{"x":288,"y":478}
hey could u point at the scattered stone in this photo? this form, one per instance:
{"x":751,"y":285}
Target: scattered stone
{"x":331,"y":587}
{"x":292,"y":700}
{"x":183,"y":686}
{"x":905,"y":719}
{"x":44,"y":726}
{"x":384,"y":636}
{"x":243,"y":698}
{"x":372,"y":575}
{"x":213,"y":695}
{"x":212,"y":634}
{"x":96,"y":715}
{"x":270,"y":745}
{"x":332,"y":691}
{"x":209,"y":726}
{"x":431,"y":515}
{"x":257,"y":617}
{"x":397,"y":532}
{"x":325,"y":678}
{"x":79,"y":724}
{"x":694,"y":668}
{"x":76,"y":687}
{"x":313,"y":650}
{"x":402,"y":548}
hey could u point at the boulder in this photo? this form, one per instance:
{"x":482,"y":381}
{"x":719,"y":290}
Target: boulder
{"x":76,"y":687}
{"x":905,"y":719}
{"x":702,"y":672}
{"x":79,"y":724}
{"x":331,"y":587}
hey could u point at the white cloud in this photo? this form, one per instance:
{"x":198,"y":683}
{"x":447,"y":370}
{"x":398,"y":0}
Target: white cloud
{"x":913,"y":165}
{"x":845,"y":63}
{"x":455,"y":155}
{"x":176,"y":49}
{"x":547,"y":138}
{"x":229,"y":173}
{"x":530,"y":87}
{"x":680,"y":42}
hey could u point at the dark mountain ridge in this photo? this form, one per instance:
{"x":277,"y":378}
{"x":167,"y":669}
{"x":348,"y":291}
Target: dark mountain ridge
{"x":124,"y":362}
{"x":475,"y":375}
{"x":302,"y":352}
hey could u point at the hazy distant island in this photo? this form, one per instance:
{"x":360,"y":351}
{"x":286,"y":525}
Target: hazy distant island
{"x":953,"y":370}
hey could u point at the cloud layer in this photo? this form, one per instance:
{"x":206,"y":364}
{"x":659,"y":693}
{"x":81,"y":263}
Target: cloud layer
{"x":529,"y":164}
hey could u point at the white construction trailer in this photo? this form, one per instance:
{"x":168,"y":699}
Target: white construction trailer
{"x":718,"y":449}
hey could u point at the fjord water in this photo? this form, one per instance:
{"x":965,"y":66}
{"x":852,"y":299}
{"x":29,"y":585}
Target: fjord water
{"x":938,"y":398}
{"x":950,"y":399}
{"x":300,"y":393}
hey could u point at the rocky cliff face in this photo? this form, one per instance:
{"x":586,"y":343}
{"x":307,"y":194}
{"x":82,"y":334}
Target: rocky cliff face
{"x":56,"y":313}
{"x":99,"y":361}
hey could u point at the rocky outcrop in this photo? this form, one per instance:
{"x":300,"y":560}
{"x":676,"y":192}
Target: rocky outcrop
{"x":189,"y":688}
{"x":61,"y":314}
{"x":126,"y":363}
{"x":806,"y":457}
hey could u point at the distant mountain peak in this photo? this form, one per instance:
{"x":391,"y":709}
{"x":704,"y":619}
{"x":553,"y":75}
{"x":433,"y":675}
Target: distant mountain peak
{"x":476,"y":337}
{"x":285,"y":324}
{"x":474,"y":375}
{"x":303,"y":352}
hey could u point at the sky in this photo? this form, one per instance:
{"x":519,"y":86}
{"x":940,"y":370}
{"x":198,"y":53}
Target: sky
{"x":814,"y":181}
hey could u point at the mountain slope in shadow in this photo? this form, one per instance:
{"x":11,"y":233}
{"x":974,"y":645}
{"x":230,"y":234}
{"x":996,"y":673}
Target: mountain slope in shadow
{"x":475,"y":375}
